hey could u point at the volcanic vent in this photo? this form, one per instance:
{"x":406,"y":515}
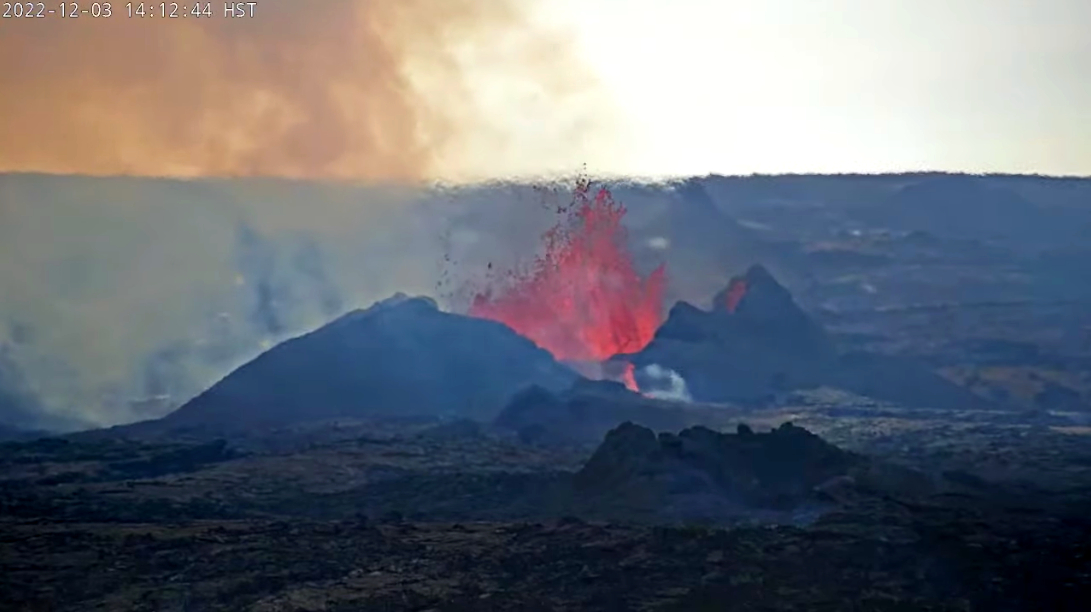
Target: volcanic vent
{"x":582,"y":299}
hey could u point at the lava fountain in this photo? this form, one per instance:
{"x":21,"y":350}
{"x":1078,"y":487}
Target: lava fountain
{"x":582,"y":298}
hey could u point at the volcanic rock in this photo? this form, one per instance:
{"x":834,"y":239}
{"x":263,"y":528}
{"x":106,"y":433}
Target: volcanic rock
{"x":700,"y":473}
{"x":584,"y":413}
{"x":401,"y":357}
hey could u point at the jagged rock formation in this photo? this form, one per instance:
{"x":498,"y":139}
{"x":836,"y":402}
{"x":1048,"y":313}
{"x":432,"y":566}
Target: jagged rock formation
{"x":700,"y":473}
{"x":402,"y":356}
{"x":756,"y":342}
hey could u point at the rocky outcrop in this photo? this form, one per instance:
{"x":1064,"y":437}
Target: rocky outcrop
{"x":700,"y":473}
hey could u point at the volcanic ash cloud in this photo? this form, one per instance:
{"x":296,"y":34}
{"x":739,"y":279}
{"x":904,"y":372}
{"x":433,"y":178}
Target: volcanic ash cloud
{"x":347,"y":89}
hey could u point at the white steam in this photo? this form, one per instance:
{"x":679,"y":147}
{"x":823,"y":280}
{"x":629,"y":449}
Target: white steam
{"x":659,"y":243}
{"x":665,"y":384}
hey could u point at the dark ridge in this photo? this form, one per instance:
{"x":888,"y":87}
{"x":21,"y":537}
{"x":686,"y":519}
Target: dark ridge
{"x":401,"y":357}
{"x":700,"y":472}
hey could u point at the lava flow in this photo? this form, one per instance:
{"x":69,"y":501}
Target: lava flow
{"x":582,"y":299}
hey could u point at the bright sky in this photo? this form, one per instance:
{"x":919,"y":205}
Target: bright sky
{"x":842,"y":85}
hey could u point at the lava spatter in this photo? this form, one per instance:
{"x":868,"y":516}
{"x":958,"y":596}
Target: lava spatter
{"x":582,"y":299}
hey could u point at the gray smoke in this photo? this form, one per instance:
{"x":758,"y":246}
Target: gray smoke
{"x":121,"y":298}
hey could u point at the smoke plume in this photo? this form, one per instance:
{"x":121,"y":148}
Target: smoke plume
{"x":348,"y":89}
{"x":122,"y":297}
{"x":664,"y":383}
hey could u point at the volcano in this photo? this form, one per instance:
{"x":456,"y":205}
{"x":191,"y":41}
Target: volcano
{"x":582,"y":299}
{"x":752,"y":343}
{"x":755,"y":342}
{"x":401,"y":357}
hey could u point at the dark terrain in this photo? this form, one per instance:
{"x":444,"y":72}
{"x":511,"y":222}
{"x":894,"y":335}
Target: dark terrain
{"x":450,"y":517}
{"x":891,"y":411}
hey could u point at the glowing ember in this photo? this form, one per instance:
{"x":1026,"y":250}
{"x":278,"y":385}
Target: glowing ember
{"x":735,"y":292}
{"x":582,"y":299}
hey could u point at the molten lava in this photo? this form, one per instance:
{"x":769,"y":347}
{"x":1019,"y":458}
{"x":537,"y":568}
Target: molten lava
{"x":582,"y":299}
{"x":735,"y":293}
{"x":628,"y":377}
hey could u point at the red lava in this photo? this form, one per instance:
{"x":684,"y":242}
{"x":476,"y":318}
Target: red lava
{"x":582,"y":299}
{"x":735,"y":293}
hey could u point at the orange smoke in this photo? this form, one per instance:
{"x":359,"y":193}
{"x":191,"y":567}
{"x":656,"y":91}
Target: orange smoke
{"x":331,"y":89}
{"x":582,"y":300}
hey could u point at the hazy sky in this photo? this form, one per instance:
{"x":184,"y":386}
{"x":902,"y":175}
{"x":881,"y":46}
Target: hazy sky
{"x":844,"y":85}
{"x":419,"y":89}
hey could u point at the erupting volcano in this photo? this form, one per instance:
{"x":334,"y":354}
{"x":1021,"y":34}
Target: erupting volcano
{"x":582,"y":299}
